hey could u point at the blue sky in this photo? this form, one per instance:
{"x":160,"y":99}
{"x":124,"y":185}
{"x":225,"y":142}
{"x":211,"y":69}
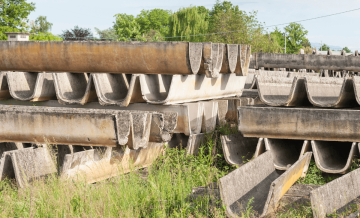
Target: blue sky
{"x":340,"y":30}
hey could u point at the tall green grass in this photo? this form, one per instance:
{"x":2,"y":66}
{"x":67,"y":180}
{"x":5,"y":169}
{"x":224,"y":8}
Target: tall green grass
{"x":164,"y":192}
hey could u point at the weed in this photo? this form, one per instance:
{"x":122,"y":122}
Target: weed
{"x":315,"y":176}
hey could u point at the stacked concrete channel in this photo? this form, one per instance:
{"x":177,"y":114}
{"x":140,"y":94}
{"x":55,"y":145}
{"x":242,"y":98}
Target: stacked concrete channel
{"x":301,"y":113}
{"x":104,"y":103}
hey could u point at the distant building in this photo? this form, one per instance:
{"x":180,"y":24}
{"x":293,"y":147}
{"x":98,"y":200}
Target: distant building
{"x":14,"y":36}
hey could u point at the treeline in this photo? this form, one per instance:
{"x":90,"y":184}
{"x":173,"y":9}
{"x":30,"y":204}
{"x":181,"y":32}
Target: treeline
{"x":224,"y":23}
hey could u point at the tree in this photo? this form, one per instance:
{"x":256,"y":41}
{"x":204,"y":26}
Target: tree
{"x":41,"y":25}
{"x":107,"y":34}
{"x":127,"y":28}
{"x":45,"y":37}
{"x":13,"y":16}
{"x":189,"y":21}
{"x":154,"y":20}
{"x":76,"y":34}
{"x":296,"y":37}
{"x":324,"y":47}
{"x":228,"y":24}
{"x":347,"y":50}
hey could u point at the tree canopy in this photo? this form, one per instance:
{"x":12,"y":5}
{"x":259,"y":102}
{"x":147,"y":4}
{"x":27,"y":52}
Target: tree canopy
{"x":40,"y":25}
{"x":76,"y":34}
{"x":14,"y":16}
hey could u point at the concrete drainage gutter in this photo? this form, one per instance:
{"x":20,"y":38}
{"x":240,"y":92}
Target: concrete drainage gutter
{"x":259,"y":180}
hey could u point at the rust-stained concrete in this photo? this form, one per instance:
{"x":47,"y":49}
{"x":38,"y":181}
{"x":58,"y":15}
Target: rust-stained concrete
{"x":182,"y":58}
{"x":89,"y":127}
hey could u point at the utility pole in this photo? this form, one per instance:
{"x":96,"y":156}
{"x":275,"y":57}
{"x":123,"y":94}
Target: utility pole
{"x":285,"y":41}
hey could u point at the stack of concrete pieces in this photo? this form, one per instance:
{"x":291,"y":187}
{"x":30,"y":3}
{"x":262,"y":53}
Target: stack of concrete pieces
{"x":330,"y":156}
{"x":25,"y":165}
{"x":304,"y":91}
{"x":251,"y":77}
{"x":128,"y":95}
{"x":303,"y":113}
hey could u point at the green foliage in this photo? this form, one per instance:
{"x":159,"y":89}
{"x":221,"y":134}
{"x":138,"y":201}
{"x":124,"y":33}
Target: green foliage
{"x":239,"y":27}
{"x":13,"y":16}
{"x":45,"y":37}
{"x":154,"y":20}
{"x":109,"y":33}
{"x":296,"y":37}
{"x":298,"y":211}
{"x":324,"y":47}
{"x":189,"y":21}
{"x":347,"y":50}
{"x":40,"y":25}
{"x":127,"y":27}
{"x":314,"y":176}
{"x":77,"y":34}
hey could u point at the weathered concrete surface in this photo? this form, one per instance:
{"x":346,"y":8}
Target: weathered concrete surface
{"x":300,"y":123}
{"x":117,"y":89}
{"x":92,"y":166}
{"x":285,"y":151}
{"x":259,"y":180}
{"x":74,"y":88}
{"x":335,"y":194}
{"x":282,"y":184}
{"x":172,"y":89}
{"x":251,"y":78}
{"x":182,"y":58}
{"x":27,"y":86}
{"x":238,"y":149}
{"x":6,"y":167}
{"x":27,"y":165}
{"x":282,"y":91}
{"x":330,"y":92}
{"x":305,"y":61}
{"x":334,"y":157}
{"x":189,"y":115}
{"x":89,"y":127}
{"x":234,"y":103}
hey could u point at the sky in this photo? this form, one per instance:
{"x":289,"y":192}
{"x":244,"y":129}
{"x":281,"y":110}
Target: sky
{"x":337,"y":31}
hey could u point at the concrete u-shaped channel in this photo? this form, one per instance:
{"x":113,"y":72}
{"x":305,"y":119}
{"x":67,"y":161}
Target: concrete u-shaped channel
{"x":117,"y":89}
{"x":326,"y":92}
{"x":330,"y":156}
{"x":182,"y":58}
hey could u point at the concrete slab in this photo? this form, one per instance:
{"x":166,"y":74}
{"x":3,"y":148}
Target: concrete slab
{"x":336,"y":194}
{"x":299,"y":123}
{"x":330,"y":92}
{"x":307,"y":61}
{"x":286,"y":151}
{"x":84,"y":166}
{"x":27,"y":165}
{"x":74,"y":88}
{"x":258,"y":180}
{"x":117,"y":89}
{"x":88,"y":127}
{"x":238,"y":149}
{"x":26,"y":86}
{"x":334,"y":157}
{"x":282,"y":91}
{"x":173,"y":89}
{"x":184,"y":58}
